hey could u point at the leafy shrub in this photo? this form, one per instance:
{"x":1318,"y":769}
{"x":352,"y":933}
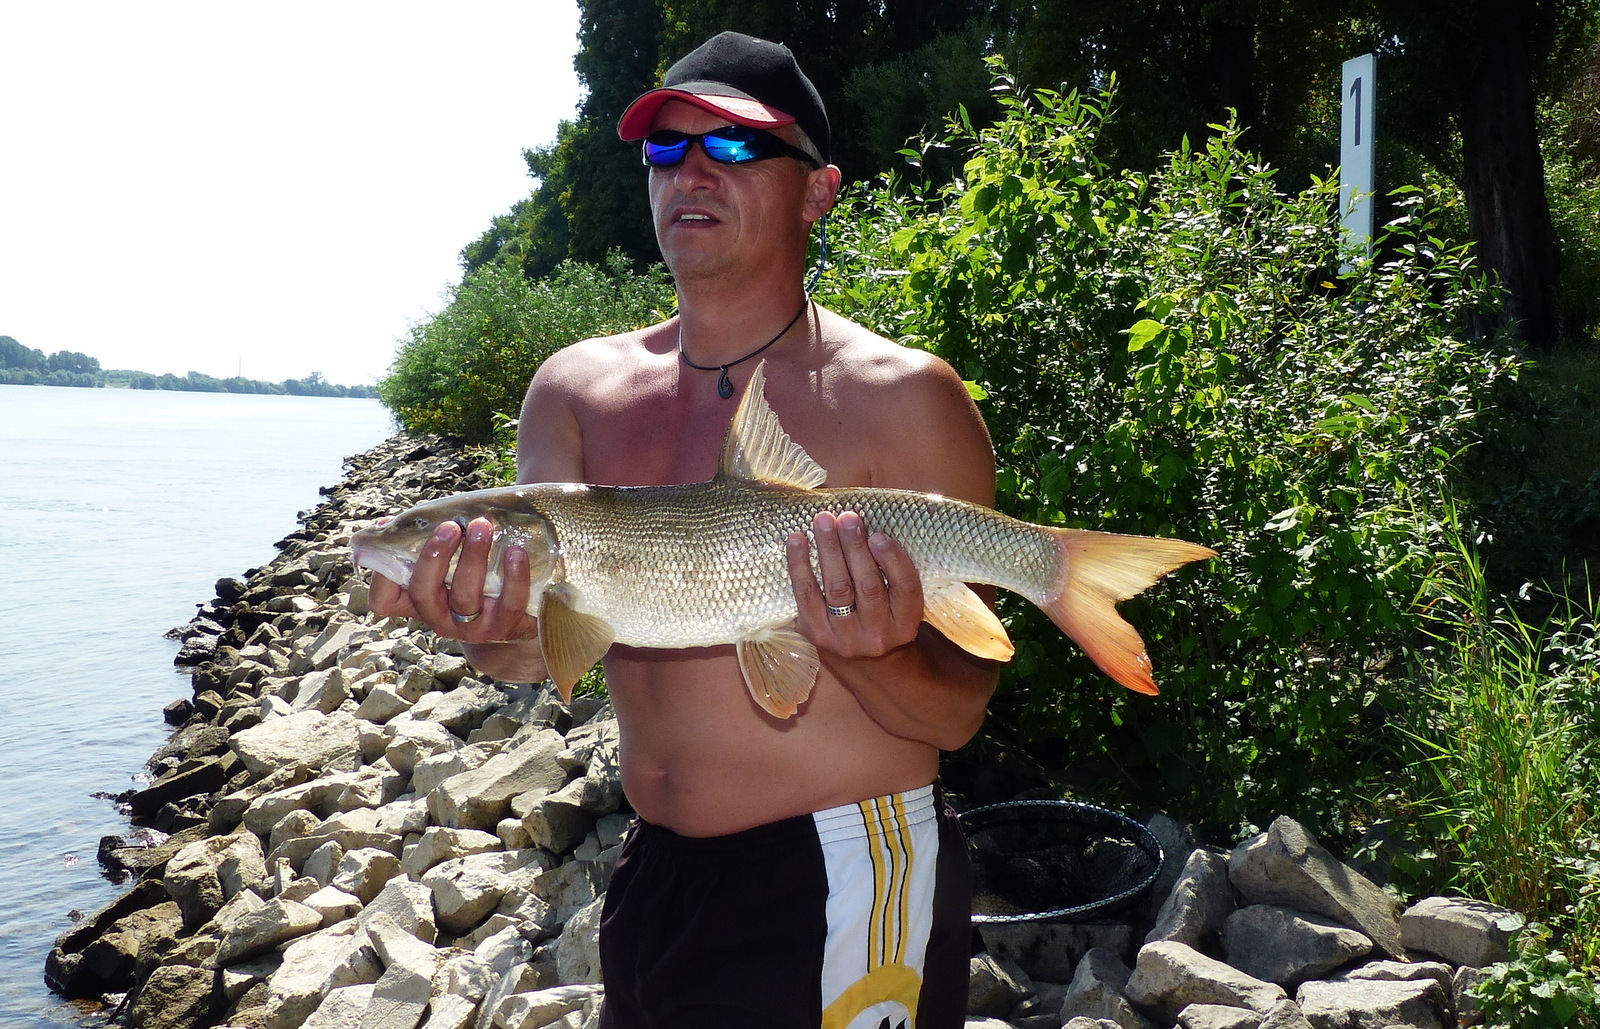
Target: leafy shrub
{"x":1177,"y":354}
{"x":1540,"y":988}
{"x":473,"y":359}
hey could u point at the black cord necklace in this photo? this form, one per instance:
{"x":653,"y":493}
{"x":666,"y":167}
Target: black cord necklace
{"x":725,"y":384}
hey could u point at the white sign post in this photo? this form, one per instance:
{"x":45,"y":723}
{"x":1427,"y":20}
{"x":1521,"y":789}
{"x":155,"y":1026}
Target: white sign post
{"x":1357,"y":165}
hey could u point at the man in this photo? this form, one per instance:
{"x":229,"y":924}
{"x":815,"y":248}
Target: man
{"x":798,"y":872}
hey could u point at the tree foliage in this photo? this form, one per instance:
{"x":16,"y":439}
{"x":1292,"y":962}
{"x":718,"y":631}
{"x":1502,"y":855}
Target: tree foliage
{"x":1176,"y":354}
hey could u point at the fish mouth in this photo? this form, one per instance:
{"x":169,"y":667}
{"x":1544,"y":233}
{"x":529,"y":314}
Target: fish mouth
{"x":385,"y":562}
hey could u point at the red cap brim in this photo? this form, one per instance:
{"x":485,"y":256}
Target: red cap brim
{"x":641,"y":114}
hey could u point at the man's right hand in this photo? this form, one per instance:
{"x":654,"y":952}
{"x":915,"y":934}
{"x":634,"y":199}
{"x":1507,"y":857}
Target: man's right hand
{"x":498,"y":639}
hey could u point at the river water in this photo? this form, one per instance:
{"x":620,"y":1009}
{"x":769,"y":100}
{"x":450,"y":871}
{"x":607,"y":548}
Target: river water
{"x":119,"y":510}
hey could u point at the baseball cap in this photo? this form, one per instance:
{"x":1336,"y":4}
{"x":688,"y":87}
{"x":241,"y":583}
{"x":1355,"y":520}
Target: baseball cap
{"x":751,"y":81}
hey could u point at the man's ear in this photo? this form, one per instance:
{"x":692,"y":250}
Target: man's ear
{"x":822,"y":190}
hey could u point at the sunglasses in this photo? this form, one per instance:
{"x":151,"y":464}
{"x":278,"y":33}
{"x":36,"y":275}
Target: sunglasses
{"x":731,"y":144}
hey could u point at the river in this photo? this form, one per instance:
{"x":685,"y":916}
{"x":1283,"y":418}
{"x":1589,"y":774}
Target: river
{"x":119,"y":510}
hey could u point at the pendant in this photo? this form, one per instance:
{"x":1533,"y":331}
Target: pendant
{"x":724,"y":384}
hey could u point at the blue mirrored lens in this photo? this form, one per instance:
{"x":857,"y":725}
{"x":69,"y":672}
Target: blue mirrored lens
{"x":732,"y":144}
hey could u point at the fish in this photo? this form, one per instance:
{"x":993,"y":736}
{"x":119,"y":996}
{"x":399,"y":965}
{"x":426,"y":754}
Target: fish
{"x":703,"y":564}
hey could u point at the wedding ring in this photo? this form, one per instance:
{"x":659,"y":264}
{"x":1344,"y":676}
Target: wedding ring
{"x":461,"y":619}
{"x":840,"y":612}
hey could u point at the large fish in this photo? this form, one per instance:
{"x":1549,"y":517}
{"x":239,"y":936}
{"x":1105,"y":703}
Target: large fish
{"x":703,"y":564}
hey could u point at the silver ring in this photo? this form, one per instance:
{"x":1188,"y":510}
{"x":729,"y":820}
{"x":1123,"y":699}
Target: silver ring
{"x":840,"y":612}
{"x":461,"y":619}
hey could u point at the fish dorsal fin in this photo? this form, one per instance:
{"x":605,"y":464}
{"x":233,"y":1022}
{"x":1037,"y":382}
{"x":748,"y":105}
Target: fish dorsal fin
{"x":757,"y":449}
{"x":780,"y":667}
{"x":966,"y":621}
{"x":570,"y":640}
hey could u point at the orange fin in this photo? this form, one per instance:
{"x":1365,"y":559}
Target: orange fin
{"x":571,"y":641}
{"x":780,"y":667}
{"x":1099,"y":569}
{"x":965,"y":620}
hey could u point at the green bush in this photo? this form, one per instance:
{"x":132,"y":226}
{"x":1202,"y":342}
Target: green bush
{"x":473,"y":359}
{"x":1179,"y":354}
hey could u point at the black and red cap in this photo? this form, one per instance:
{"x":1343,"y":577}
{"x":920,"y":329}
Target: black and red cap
{"x":750,"y":81}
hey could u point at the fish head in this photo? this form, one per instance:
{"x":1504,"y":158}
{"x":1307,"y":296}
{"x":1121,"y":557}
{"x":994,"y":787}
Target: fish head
{"x":391,"y":547}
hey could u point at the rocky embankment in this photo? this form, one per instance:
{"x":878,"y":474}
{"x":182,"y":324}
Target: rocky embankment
{"x":350,"y":828}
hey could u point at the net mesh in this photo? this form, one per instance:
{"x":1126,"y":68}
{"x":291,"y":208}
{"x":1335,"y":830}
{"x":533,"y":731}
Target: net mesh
{"x":1037,"y":860}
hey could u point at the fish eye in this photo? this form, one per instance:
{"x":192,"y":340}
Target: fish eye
{"x":423,"y":523}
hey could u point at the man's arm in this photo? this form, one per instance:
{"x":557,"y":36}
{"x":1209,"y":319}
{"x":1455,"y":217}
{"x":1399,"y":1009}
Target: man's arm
{"x":906,"y":675}
{"x":503,"y":640}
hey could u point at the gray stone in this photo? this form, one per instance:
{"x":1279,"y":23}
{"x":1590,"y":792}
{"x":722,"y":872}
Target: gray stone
{"x":1463,"y":932}
{"x":1200,"y":901}
{"x":312,"y":967}
{"x":365,"y":871}
{"x":1374,"y":1004}
{"x":174,"y":997}
{"x":544,"y":1007}
{"x":555,"y":821}
{"x":442,"y":843}
{"x":480,"y":797}
{"x":342,"y":1008}
{"x":250,"y":927}
{"x":311,"y":738}
{"x":1400,"y":971}
{"x":1079,"y":1022}
{"x":1170,"y":976}
{"x":467,"y":889}
{"x":334,"y":905}
{"x":1467,"y":1010}
{"x":207,"y":873}
{"x":578,"y":946}
{"x":1285,"y":1014}
{"x":1098,"y":991}
{"x":1218,"y":1016}
{"x":462,"y":709}
{"x":322,"y":691}
{"x":1051,"y":950}
{"x":568,"y":887}
{"x":1287,"y":867}
{"x":412,"y":741}
{"x":994,"y":985}
{"x":381,"y":704}
{"x":1288,"y":947}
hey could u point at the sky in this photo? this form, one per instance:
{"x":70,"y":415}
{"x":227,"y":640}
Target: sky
{"x":266,"y":189}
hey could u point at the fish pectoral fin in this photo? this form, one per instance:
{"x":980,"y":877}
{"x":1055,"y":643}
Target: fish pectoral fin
{"x":966,"y":621}
{"x":780,"y":667}
{"x":571,"y":642}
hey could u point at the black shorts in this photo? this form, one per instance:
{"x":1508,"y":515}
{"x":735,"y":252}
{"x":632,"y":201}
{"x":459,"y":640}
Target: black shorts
{"x":857,"y":917}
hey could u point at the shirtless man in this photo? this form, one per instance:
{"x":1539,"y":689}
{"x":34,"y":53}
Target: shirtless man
{"x":784,"y":872}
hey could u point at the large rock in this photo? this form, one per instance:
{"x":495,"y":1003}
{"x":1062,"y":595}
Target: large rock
{"x":206,"y":874}
{"x":1463,"y":932}
{"x":1288,"y":947}
{"x":249,"y":926}
{"x":1375,"y":1004}
{"x":578,"y":947}
{"x":310,"y":738}
{"x":1049,"y":951}
{"x":174,"y":997}
{"x":1286,"y":866}
{"x":1098,"y":991}
{"x":480,"y":797}
{"x":1200,"y":902}
{"x":1170,"y":976}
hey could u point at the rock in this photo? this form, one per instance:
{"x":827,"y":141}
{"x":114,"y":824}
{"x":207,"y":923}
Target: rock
{"x":1285,"y":1014}
{"x":1287,"y":867}
{"x":401,"y":994}
{"x":310,"y":738}
{"x":462,"y":709}
{"x":204,"y":875}
{"x":365,"y":871}
{"x":1050,"y":950}
{"x":1463,"y":932}
{"x":1218,"y":1016}
{"x":193,"y":778}
{"x":1467,"y":1011}
{"x":312,"y":967}
{"x":544,"y":1007}
{"x":249,"y":927}
{"x":442,"y":843}
{"x":334,"y":905}
{"x":1170,"y":976}
{"x":1098,"y":991}
{"x":1288,"y":947}
{"x":344,"y":1008}
{"x":568,"y":887}
{"x":578,"y":946}
{"x":174,"y":997}
{"x":994,"y":985}
{"x":466,"y":889}
{"x":480,"y":797}
{"x":555,"y":821}
{"x":1200,"y":901}
{"x":1400,"y":971}
{"x":108,"y":962}
{"x":1375,"y":1004}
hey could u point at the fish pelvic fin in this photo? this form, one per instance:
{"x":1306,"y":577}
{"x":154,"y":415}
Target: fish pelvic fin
{"x":757,"y":449}
{"x":965,"y":620}
{"x":571,"y":641}
{"x":1100,"y":569}
{"x":780,"y":667}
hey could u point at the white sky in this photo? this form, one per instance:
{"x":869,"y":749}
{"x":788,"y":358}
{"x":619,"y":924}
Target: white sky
{"x":267,"y":188}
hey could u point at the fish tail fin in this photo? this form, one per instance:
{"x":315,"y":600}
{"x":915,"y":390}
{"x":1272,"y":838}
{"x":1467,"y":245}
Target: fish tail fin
{"x":1097,"y":571}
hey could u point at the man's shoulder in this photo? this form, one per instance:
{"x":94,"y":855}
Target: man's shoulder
{"x":880,"y":371}
{"x":593,"y":366}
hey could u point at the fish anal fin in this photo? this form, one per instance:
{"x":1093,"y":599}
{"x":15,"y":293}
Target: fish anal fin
{"x":965,"y":620}
{"x":1098,"y":570}
{"x":571,"y":641}
{"x":757,"y":449}
{"x":780,"y":667}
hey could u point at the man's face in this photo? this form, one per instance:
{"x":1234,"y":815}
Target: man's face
{"x":717,"y":219}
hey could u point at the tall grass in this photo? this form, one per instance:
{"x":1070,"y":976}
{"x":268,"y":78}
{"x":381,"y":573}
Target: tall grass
{"x":1509,"y":773}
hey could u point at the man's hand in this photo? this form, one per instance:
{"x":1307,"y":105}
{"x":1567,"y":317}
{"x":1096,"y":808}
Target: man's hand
{"x":868,"y":581}
{"x":458,"y":609}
